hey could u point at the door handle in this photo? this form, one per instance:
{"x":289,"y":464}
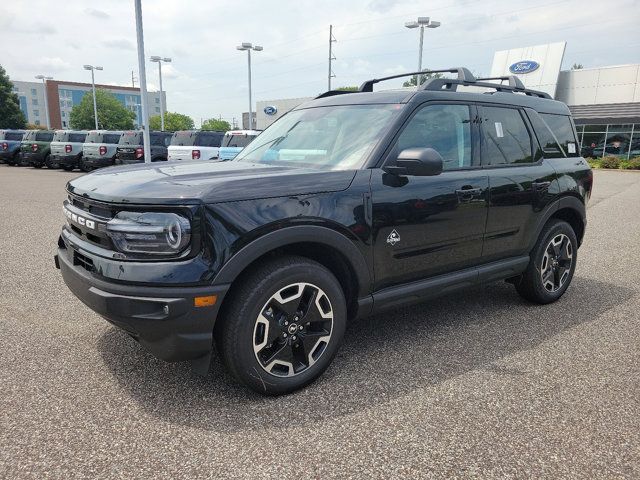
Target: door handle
{"x":467,"y":193}
{"x":540,"y":186}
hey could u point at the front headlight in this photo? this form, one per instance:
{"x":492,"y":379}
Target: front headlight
{"x":167,"y":234}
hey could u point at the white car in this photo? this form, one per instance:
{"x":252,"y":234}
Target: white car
{"x":195,"y":145}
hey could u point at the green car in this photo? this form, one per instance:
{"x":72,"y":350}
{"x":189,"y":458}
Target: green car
{"x":36,"y":148}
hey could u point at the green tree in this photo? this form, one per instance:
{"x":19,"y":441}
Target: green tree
{"x":10,"y":114}
{"x":215,"y":124}
{"x":413,"y":81}
{"x":112,"y":114}
{"x":173,"y":122}
{"x":577,"y":66}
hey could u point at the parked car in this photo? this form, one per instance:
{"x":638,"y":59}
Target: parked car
{"x":195,"y":145}
{"x":10,"y":146}
{"x":131,"y":149}
{"x":66,"y":149}
{"x":35,"y":148}
{"x":234,"y":141}
{"x":350,"y":204}
{"x":99,"y":149}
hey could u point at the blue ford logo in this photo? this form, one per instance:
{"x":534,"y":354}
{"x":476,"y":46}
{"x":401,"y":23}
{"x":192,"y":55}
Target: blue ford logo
{"x":525,"y":66}
{"x":270,"y":110}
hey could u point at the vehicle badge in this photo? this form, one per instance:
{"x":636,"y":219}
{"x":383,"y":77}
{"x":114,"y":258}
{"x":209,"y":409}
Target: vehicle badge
{"x":393,"y":238}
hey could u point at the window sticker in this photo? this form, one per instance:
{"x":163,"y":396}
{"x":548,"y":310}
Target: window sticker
{"x":571,"y":147}
{"x":499,"y":131}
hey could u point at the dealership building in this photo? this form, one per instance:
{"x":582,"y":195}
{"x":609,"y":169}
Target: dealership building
{"x":604,"y":101}
{"x":62,"y":96}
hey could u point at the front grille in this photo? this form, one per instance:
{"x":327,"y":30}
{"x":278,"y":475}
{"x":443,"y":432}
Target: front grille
{"x":99,"y":210}
{"x":100,"y":213}
{"x":83,"y":261}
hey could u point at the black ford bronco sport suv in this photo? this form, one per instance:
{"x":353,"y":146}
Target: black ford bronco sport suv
{"x":350,"y":204}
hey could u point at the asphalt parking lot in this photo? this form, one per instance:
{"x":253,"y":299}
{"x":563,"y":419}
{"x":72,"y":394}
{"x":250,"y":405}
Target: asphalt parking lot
{"x":479,"y":384}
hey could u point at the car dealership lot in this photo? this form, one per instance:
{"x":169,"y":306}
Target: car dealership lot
{"x":475,"y":384}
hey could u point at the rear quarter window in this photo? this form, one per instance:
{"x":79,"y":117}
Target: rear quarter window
{"x":60,"y":136}
{"x":94,"y":137}
{"x":562,"y":128}
{"x":131,"y":138}
{"x":29,"y":136}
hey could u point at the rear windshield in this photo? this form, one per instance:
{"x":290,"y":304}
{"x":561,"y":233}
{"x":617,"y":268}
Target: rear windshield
{"x":30,"y":135}
{"x":102,"y":137}
{"x":13,"y":135}
{"x":160,"y":139}
{"x":60,"y":136}
{"x":183,"y":138}
{"x":44,"y":136}
{"x":237,"y":140}
{"x":78,"y":137}
{"x":209,"y":139}
{"x":131,"y":138}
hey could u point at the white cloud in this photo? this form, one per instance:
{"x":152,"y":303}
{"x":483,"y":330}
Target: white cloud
{"x":119,"y":43}
{"x":94,"y":12}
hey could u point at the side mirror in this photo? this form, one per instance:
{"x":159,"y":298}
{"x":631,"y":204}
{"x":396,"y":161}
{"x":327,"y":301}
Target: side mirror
{"x":420,"y":162}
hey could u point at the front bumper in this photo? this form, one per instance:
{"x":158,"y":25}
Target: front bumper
{"x":98,"y":162}
{"x":163,"y":319}
{"x":64,"y":160}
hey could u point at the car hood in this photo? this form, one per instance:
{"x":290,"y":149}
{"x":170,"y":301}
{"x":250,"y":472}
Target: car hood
{"x":204,"y":182}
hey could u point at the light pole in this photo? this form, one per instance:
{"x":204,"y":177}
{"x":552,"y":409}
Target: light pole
{"x":46,"y":102}
{"x":248,"y":47}
{"x":93,"y":87}
{"x":142,"y":71}
{"x":159,"y":60}
{"x":421,"y":22}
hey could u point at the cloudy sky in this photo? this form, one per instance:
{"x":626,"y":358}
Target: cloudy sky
{"x":208,"y":77}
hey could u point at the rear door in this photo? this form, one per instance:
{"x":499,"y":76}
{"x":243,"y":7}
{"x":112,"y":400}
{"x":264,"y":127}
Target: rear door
{"x":521,"y":182}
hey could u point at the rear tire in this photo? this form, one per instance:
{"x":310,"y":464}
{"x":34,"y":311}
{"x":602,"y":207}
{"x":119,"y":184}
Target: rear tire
{"x":552,"y":264}
{"x":67,"y":168}
{"x":282,"y":325}
{"x":47,"y":162}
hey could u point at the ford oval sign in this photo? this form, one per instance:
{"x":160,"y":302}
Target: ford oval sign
{"x":270,"y":110}
{"x":525,"y":66}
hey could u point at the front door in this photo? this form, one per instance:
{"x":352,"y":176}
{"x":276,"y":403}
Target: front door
{"x":424,"y":226}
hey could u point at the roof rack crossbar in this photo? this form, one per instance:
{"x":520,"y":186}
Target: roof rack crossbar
{"x":514,"y":81}
{"x":463,"y":75}
{"x":451,"y":84}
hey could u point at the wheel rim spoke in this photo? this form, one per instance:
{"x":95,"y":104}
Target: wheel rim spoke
{"x":556,"y":263}
{"x":293,"y":329}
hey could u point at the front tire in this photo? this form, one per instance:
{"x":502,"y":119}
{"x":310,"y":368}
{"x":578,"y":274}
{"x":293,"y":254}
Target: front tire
{"x":283,"y":325}
{"x":552,"y":264}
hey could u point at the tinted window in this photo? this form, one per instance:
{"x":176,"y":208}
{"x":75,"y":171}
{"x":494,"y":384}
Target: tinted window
{"x":94,"y":137}
{"x":206,"y":139}
{"x":131,"y":138}
{"x":183,"y":138}
{"x":562,"y":128}
{"x":111,"y":137}
{"x":44,"y":136}
{"x":445,"y":128}
{"x":160,"y":139}
{"x":60,"y":136}
{"x":547,"y":139}
{"x":13,"y":136}
{"x":237,"y":140}
{"x":77,"y":137}
{"x":506,"y":138}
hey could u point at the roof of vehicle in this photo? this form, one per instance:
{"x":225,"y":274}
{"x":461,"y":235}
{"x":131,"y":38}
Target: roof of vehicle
{"x":463,"y":88}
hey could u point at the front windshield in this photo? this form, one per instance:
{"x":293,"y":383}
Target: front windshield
{"x":330,"y":138}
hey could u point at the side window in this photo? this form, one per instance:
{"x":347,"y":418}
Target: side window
{"x":562,"y":128}
{"x":506,"y":138}
{"x":548,"y":141}
{"x":446,"y":129}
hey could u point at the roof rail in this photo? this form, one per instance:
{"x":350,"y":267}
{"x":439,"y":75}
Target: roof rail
{"x":451,"y":84}
{"x":464,"y":75}
{"x":331,"y":93}
{"x":514,"y":81}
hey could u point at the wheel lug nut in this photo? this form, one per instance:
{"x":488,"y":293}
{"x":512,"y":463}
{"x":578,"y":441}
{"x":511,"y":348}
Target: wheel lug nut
{"x":294,"y":338}
{"x":284,"y":335}
{"x":296,"y":318}
{"x":300,"y":327}
{"x":286,"y":323}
